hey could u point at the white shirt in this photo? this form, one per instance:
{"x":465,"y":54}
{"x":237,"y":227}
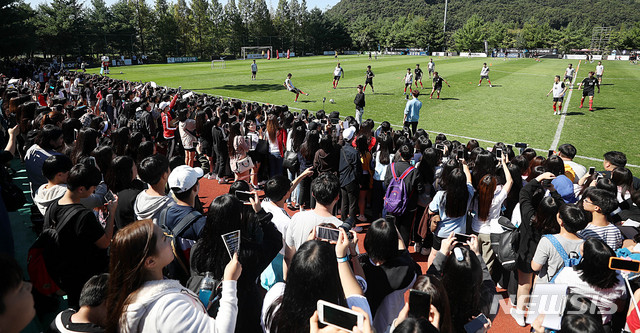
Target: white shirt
{"x":491,"y":225}
{"x":558,"y":89}
{"x":254,"y":67}
{"x":337,"y":71}
{"x":578,"y":169}
{"x":569,"y":71}
{"x":599,"y":69}
{"x":408,"y":78}
{"x":302,"y":224}
{"x":484,"y":71}
{"x":289,"y":85}
{"x":431,"y":65}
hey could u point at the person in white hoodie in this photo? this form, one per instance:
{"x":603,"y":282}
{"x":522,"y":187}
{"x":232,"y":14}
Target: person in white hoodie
{"x":56,"y":170}
{"x":153,"y":170}
{"x":140,"y":300}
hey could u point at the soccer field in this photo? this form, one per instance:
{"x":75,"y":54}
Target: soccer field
{"x":514,"y":110}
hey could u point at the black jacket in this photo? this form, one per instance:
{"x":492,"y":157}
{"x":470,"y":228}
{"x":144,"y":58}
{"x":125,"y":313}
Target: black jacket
{"x":350,"y":165}
{"x":359,"y":101}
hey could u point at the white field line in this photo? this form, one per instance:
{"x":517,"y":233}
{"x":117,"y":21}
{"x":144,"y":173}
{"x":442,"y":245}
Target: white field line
{"x":556,"y":138}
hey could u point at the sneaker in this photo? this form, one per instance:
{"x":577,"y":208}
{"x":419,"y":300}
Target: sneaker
{"x":307,"y":94}
{"x":518,"y":315}
{"x":490,"y":86}
{"x":357,"y":228}
{"x":425,"y":251}
{"x":417,"y":247}
{"x":555,"y":113}
{"x":580,"y":107}
{"x":590,"y":109}
{"x":478,"y":85}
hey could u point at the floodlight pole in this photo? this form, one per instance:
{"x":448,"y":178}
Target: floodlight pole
{"x":444,"y":25}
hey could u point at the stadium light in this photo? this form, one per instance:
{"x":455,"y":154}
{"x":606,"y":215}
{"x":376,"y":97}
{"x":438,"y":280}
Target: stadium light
{"x":444,"y":25}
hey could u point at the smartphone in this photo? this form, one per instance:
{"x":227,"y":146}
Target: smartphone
{"x":476,"y":324}
{"x":546,"y":182}
{"x":499,"y":152}
{"x":323,"y":121}
{"x":419,"y":304}
{"x":550,"y":153}
{"x":244,"y":195}
{"x":339,"y":316}
{"x":109,"y":196}
{"x":520,"y":145}
{"x":592,"y":170}
{"x":327,"y":234}
{"x":616,"y":263}
{"x":335,"y":121}
{"x":462,"y":238}
{"x":461,"y":154}
{"x":232,"y":242}
{"x":440,"y":146}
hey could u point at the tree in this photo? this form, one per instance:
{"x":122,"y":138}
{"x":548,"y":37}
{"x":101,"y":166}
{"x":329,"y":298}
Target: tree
{"x":61,"y":26}
{"x":142,"y":20}
{"x":283,"y":23}
{"x":16,"y":30}
{"x":261,"y":25}
{"x":165,"y":29}
{"x":235,"y":28}
{"x":428,"y":33}
{"x":216,"y":17}
{"x":122,"y":28}
{"x":202,"y":26}
{"x":182,"y":15}
{"x":471,"y":36}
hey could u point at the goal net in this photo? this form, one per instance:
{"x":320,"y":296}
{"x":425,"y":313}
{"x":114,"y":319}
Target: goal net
{"x":256,"y":52}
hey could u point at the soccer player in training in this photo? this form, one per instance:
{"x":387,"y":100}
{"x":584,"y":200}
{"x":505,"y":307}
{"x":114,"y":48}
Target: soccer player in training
{"x":568,"y":73}
{"x":368,"y":79}
{"x":484,"y":74}
{"x":431,"y":67}
{"x":337,"y":73}
{"x":558,"y":90}
{"x":599,"y":72}
{"x":254,"y":70}
{"x":418,"y":75}
{"x":408,"y":80}
{"x":292,"y":88}
{"x":437,"y":85}
{"x":589,"y":84}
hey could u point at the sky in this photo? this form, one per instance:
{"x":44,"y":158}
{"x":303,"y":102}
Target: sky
{"x":322,"y":4}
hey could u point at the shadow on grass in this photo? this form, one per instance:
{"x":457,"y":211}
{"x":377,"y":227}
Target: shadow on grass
{"x":575,"y":114}
{"x":383,"y":94}
{"x":607,"y":84}
{"x":248,"y":87}
{"x":450,"y":99}
{"x":597,"y":108}
{"x":307,"y":101}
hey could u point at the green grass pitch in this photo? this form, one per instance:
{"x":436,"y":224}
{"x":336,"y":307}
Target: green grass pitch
{"x":514,"y":110}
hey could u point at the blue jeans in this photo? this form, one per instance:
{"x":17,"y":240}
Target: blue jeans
{"x":275,"y":164}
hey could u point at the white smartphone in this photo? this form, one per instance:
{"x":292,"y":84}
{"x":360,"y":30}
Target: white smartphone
{"x":339,"y":316}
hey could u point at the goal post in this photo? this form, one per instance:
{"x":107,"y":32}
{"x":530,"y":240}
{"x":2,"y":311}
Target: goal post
{"x":255,"y":52}
{"x":218,"y":64}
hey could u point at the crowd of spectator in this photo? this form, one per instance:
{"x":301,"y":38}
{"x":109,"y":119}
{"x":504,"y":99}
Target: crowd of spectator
{"x":115,"y":170}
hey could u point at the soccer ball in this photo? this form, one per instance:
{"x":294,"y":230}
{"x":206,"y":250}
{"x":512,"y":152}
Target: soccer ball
{"x":332,"y":101}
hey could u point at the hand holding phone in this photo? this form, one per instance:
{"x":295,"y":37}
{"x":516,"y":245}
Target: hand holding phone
{"x":592,"y":170}
{"x":327,"y":234}
{"x":419,"y":304}
{"x":476,"y":324}
{"x":339,"y":316}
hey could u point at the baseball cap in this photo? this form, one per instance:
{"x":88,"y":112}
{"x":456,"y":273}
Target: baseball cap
{"x":183,"y":177}
{"x":564,"y":187}
{"x":163,"y":105}
{"x":348,"y":133}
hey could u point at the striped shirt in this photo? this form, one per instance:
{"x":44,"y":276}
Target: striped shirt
{"x":610,"y":234}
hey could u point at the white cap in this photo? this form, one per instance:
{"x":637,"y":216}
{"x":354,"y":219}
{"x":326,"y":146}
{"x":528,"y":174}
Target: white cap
{"x":348,"y":133}
{"x":163,"y":105}
{"x":183,"y":178}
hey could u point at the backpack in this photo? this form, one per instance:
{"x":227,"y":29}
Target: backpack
{"x":396,"y":197}
{"x":11,"y":193}
{"x":43,"y":255}
{"x":505,"y":245}
{"x":568,"y":262}
{"x":178,"y":269}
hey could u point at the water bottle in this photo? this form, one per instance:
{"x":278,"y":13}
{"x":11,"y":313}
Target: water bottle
{"x":206,"y":289}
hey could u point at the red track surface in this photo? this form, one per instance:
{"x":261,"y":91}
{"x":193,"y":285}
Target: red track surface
{"x":503,"y":322}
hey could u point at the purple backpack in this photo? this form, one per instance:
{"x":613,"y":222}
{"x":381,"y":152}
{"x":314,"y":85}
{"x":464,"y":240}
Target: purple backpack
{"x":395,"y":200}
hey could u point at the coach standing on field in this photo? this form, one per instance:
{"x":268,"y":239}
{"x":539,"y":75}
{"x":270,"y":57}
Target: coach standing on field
{"x":359,"y":102}
{"x":412,"y":112}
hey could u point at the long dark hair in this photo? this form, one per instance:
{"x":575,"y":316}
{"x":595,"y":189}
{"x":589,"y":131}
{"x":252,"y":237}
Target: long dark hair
{"x":427,"y":166}
{"x":120,"y":174}
{"x":119,"y":140}
{"x":313,"y":275}
{"x":545,"y":218}
{"x":485,"y":163}
{"x":224,"y":215}
{"x":385,"y":146}
{"x":310,"y":145}
{"x":129,"y":249}
{"x":234,"y":130}
{"x":594,"y":267}
{"x":624,"y":178}
{"x":298,"y":135}
{"x":457,"y":194}
{"x":86,"y":142}
{"x":463,"y":281}
{"x":135,"y":139}
{"x":433,"y":286}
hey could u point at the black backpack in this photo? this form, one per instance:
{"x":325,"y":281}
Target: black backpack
{"x":178,"y":269}
{"x":505,"y":245}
